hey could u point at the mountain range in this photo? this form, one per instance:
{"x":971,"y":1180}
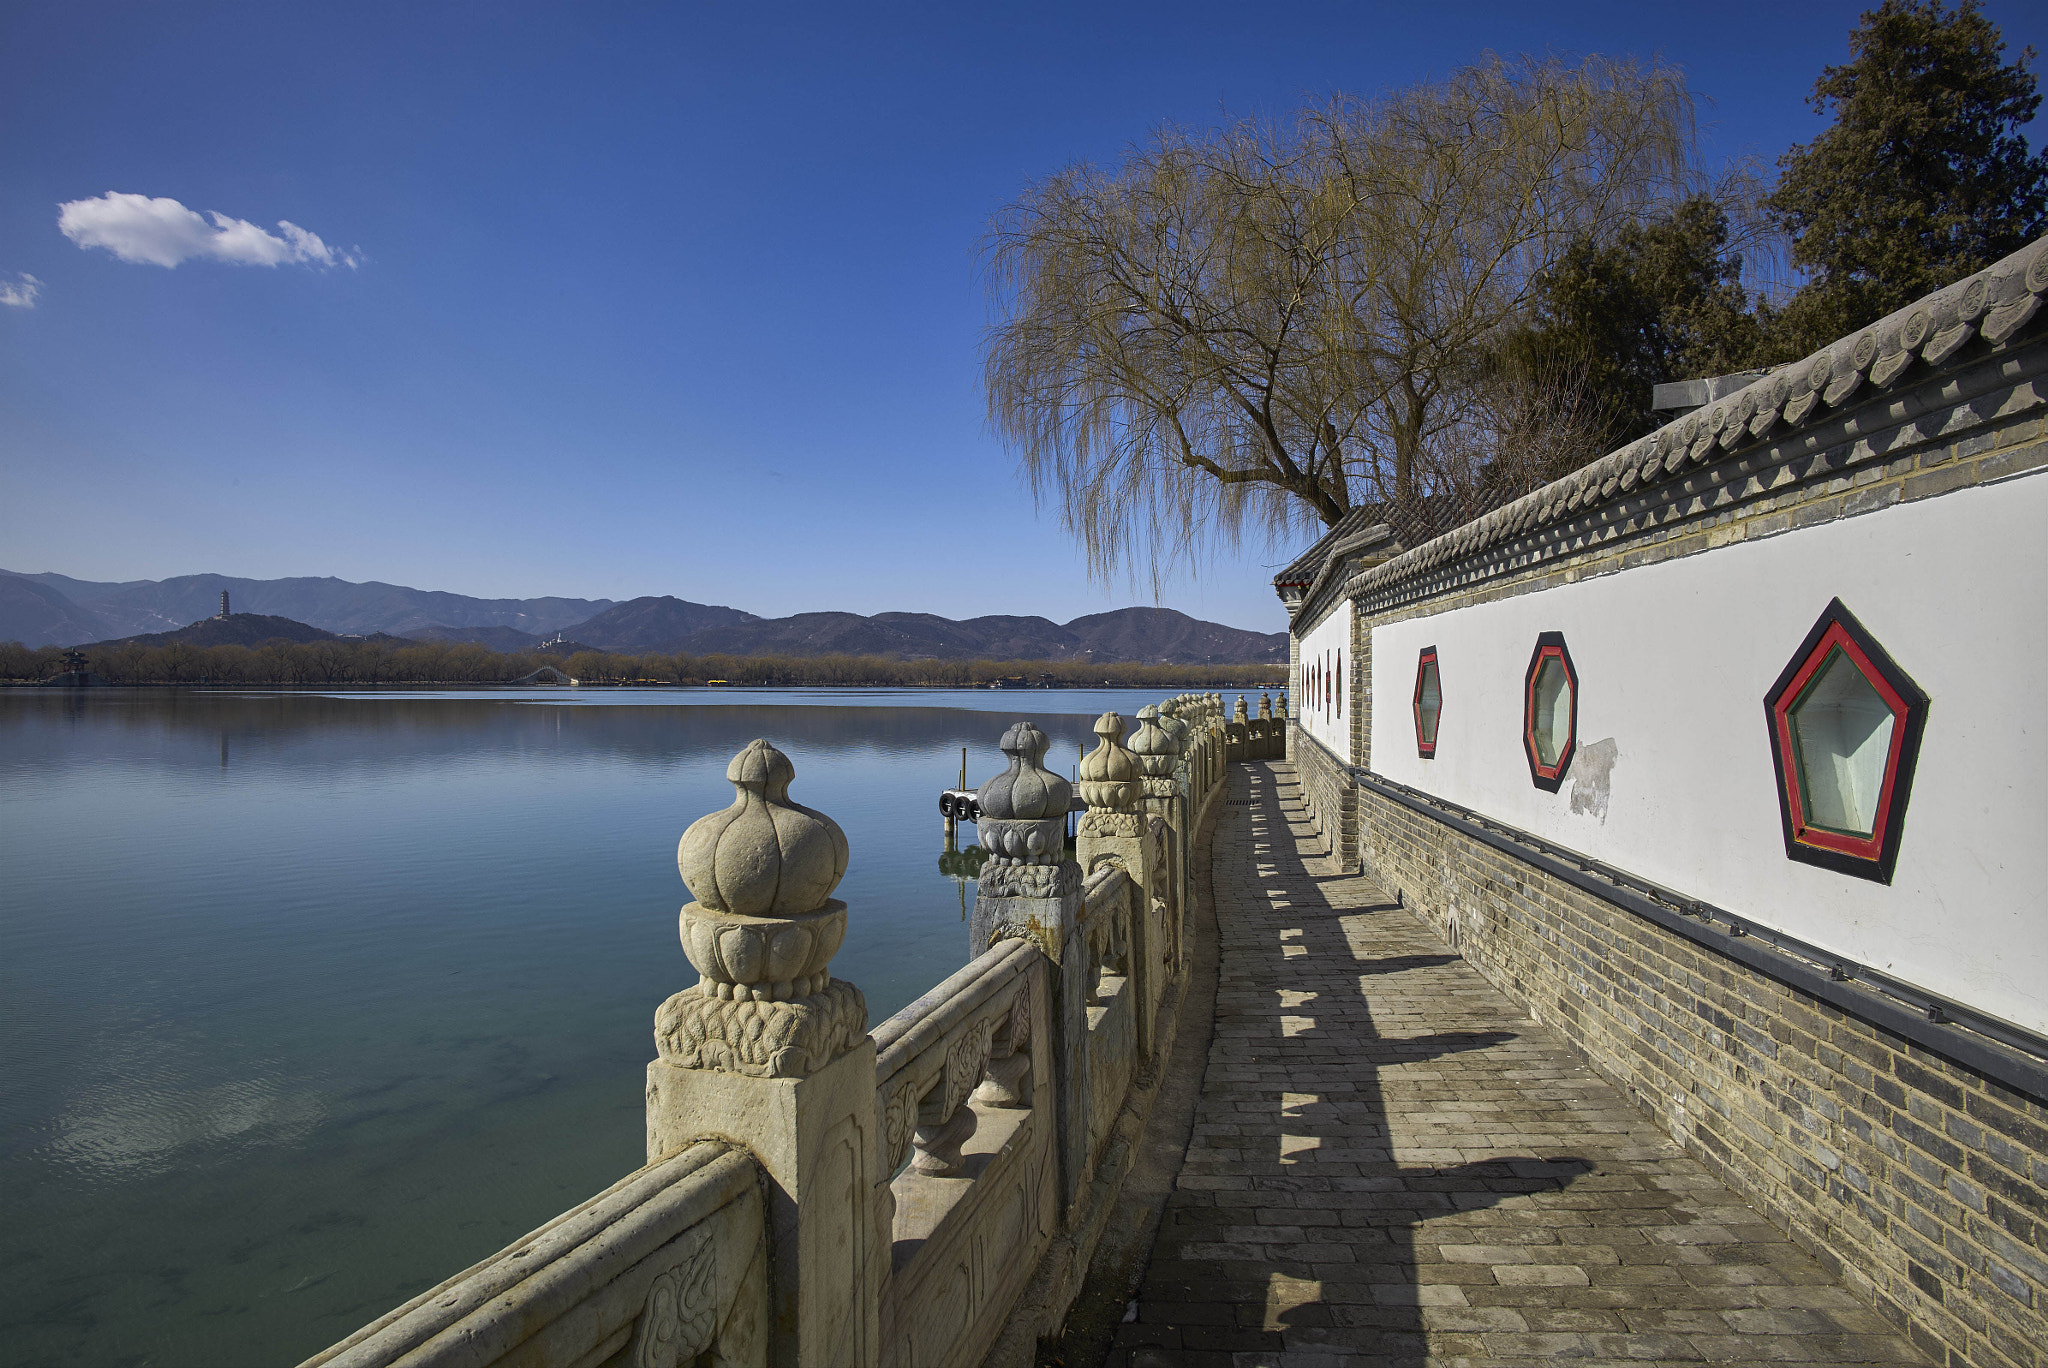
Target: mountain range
{"x":130,"y":608}
{"x":49,"y":609}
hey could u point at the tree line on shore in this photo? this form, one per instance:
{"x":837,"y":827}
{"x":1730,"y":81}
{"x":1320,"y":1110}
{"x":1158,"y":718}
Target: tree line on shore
{"x":436,"y":662}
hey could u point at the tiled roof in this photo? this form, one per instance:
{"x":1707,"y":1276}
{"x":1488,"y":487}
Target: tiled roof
{"x":1994,"y":304}
{"x":1304,"y":567}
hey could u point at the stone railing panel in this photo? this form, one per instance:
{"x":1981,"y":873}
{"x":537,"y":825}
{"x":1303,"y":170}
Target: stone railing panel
{"x":663,"y":1266}
{"x":977,"y":1203}
{"x":1113,"y":1000}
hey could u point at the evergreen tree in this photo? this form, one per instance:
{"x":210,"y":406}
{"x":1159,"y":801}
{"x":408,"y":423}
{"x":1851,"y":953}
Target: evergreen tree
{"x":1924,"y":176}
{"x":1660,"y":301}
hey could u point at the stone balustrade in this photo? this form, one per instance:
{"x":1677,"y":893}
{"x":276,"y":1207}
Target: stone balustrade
{"x":967,"y":1176}
{"x":923,"y":1195}
{"x":1261,"y":737}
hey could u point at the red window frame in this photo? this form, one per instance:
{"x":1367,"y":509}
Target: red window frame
{"x":1427,"y":662}
{"x":1549,"y":778}
{"x":1866,"y":857}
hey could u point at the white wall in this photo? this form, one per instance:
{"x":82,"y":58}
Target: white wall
{"x":1674,"y":660}
{"x":1324,"y":648}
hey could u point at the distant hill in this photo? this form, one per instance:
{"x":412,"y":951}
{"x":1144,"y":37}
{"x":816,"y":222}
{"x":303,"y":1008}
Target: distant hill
{"x":1161,"y":634}
{"x":237,"y":629}
{"x":38,"y":614}
{"x":1128,"y":634}
{"x":506,"y":639}
{"x":334,"y":605}
{"x":56,"y":610}
{"x":651,"y":623}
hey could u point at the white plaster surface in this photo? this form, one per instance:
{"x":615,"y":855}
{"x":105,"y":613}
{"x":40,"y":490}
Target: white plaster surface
{"x":1674,"y":660}
{"x":1326,"y":644}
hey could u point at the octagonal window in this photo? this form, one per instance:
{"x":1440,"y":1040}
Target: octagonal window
{"x":1550,"y":712}
{"x":1429,"y":703}
{"x":1845,"y":735}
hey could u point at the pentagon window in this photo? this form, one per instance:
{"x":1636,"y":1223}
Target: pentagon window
{"x":1845,"y":734}
{"x":1550,"y":712}
{"x":1429,"y":703}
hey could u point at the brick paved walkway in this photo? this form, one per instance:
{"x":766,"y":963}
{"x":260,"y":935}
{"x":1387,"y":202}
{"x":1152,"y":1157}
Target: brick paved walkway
{"x":1392,"y":1164}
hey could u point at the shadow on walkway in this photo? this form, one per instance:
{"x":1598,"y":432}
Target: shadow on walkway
{"x":1390,"y":1162}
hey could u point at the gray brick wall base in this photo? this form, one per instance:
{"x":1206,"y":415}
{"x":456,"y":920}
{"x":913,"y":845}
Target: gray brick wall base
{"x":1331,"y":798}
{"x":1917,"y":1181}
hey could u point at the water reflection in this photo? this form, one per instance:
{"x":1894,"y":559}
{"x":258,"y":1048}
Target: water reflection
{"x":311,"y":1000}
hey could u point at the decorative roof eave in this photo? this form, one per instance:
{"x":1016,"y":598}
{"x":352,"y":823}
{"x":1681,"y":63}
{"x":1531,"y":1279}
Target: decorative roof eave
{"x":1303,"y":568}
{"x":1338,"y":550}
{"x":1993,"y":304}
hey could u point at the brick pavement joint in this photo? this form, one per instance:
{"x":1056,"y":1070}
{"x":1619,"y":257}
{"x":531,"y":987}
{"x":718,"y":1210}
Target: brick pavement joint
{"x":1392,"y":1163}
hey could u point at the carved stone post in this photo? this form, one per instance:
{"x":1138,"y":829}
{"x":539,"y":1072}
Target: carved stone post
{"x":769,"y":1051}
{"x":1172,"y":724}
{"x":1156,"y":754}
{"x":1240,"y":714}
{"x":1265,"y":707}
{"x":1027,"y":879}
{"x":1029,"y":888}
{"x":1217,"y":719}
{"x":1195,"y":747}
{"x":1115,"y":832}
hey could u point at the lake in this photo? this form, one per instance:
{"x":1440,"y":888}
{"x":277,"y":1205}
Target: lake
{"x":314,"y":999}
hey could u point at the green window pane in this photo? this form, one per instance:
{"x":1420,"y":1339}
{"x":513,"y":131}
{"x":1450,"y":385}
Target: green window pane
{"x":1553,"y":711}
{"x":1841,"y":737}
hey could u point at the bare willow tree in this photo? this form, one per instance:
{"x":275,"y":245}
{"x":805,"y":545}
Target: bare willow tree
{"x":1253,"y":330}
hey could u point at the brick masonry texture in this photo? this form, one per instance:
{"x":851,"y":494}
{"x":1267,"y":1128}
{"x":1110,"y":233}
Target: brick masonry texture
{"x":1330,"y":796}
{"x":1393,"y":1164}
{"x":1922,"y":1184}
{"x":1919,"y":1183}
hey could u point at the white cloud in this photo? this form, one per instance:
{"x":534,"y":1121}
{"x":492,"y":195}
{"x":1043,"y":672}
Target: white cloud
{"x":22,"y":296}
{"x":163,"y":232}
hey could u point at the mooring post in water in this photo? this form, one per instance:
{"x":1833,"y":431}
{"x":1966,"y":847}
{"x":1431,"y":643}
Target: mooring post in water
{"x":769,"y":1051}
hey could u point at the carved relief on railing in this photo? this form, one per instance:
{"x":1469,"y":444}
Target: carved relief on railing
{"x":1028,"y":880}
{"x":969,"y":1037}
{"x":668,"y":1265}
{"x":1106,"y":896}
{"x":1008,"y":1081}
{"x":943,"y":1124}
{"x":967,"y":1230}
{"x":1165,"y":902}
{"x":680,"y":1318}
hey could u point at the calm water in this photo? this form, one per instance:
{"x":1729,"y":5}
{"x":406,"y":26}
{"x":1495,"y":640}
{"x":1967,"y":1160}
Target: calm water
{"x":311,"y":1000}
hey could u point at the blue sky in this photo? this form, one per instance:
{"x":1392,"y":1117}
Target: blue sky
{"x":621,"y":299}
